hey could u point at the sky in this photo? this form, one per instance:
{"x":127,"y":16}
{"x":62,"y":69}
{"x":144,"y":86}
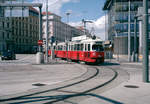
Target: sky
{"x":80,"y":9}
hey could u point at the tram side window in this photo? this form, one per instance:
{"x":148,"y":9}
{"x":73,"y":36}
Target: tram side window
{"x":78,"y":47}
{"x":58,"y":47}
{"x":64,"y":48}
{"x":75,"y":47}
{"x":71,"y":47}
{"x":81,"y":47}
{"x":61,"y":47}
{"x":88,"y":47}
{"x":68,"y":47}
{"x":54,"y":47}
{"x":97,"y":48}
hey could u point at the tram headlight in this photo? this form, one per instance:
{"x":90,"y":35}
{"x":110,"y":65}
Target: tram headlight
{"x":99,"y":56}
{"x":94,"y":54}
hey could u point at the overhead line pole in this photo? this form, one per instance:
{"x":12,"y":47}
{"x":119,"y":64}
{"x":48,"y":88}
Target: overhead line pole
{"x":129,"y":33}
{"x":145,"y":43}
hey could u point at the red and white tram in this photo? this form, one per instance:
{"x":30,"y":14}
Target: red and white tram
{"x":81,"y":48}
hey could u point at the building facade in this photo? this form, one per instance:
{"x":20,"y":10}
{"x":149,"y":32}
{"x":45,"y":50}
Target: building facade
{"x":19,"y":34}
{"x":25,"y":32}
{"x":118,"y":21}
{"x":60,"y":30}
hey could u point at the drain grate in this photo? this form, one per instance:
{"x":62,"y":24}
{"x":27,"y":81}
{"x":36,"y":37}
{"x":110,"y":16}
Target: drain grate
{"x":131,"y":86}
{"x":38,"y":84}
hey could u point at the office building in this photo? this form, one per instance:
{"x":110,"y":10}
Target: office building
{"x":118,"y":21}
{"x":60,"y":30}
{"x":19,"y":34}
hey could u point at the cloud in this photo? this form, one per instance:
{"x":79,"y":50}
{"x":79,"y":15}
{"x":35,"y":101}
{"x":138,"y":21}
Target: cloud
{"x":97,"y":27}
{"x":54,"y":5}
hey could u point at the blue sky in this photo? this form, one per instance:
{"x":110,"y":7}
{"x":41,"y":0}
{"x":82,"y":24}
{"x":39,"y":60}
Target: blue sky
{"x":87,"y":9}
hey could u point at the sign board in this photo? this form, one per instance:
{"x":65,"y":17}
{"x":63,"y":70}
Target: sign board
{"x":40,"y":42}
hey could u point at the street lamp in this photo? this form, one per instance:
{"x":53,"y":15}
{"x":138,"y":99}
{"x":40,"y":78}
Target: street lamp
{"x":68,"y":13}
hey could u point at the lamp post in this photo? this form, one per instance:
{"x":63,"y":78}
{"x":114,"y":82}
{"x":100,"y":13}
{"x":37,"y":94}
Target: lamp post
{"x":68,"y":13}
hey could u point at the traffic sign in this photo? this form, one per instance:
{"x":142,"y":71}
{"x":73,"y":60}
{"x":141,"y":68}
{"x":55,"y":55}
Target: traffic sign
{"x":40,"y":42}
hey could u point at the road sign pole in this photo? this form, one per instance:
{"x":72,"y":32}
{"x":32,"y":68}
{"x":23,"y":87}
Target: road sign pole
{"x":46,"y":53}
{"x":40,"y":27}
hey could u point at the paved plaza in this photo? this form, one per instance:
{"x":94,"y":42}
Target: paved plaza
{"x":60,"y":82}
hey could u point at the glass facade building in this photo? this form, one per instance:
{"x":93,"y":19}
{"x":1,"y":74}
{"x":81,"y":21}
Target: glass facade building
{"x":118,"y":21}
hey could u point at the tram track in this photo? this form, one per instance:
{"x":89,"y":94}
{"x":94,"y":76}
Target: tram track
{"x":78,"y":97}
{"x":68,"y":91}
{"x":65,"y":84}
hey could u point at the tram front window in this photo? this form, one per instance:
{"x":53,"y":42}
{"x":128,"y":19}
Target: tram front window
{"x":97,"y":48}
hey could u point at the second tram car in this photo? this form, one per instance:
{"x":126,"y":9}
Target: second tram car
{"x":81,"y":48}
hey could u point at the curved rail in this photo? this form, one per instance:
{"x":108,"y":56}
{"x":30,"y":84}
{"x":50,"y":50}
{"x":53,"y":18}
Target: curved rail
{"x":70,"y":94}
{"x":96,"y":72}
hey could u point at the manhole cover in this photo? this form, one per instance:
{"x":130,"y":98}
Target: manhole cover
{"x":131,"y":86}
{"x":38,"y":84}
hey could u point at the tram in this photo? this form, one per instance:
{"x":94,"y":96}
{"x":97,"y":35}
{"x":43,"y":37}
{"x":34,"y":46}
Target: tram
{"x":81,"y":48}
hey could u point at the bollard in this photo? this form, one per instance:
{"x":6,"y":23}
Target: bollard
{"x":39,"y":58}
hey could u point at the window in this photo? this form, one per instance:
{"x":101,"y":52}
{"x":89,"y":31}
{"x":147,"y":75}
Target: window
{"x":81,"y":47}
{"x":98,"y":48}
{"x":7,"y":35}
{"x":75,"y":47}
{"x":85,"y":47}
{"x":78,"y":47}
{"x":3,"y":35}
{"x":3,"y":24}
{"x":88,"y":47}
{"x":72,"y":47}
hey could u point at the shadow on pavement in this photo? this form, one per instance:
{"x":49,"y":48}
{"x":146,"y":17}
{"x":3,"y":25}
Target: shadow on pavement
{"x":109,"y":64}
{"x":57,"y":98}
